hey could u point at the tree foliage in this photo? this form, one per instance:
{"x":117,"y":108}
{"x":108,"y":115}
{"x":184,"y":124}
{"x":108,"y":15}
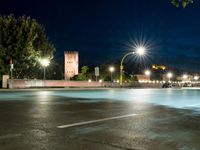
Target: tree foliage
{"x":183,"y":3}
{"x":23,"y":41}
{"x":83,"y":75}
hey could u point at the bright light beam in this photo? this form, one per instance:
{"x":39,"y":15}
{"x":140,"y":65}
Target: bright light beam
{"x":140,"y":50}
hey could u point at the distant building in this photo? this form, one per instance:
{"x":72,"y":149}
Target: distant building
{"x":187,"y":78}
{"x":165,"y":77}
{"x":71,"y":64}
{"x":159,"y":67}
{"x":141,"y":77}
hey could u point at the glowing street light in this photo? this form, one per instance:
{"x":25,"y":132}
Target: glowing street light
{"x":147,"y":72}
{"x":196,"y":78}
{"x":138,"y":51}
{"x":44,"y":62}
{"x":111,"y":69}
{"x":169,"y":75}
{"x":185,"y":76}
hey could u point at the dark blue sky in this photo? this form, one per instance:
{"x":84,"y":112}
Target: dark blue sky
{"x":103,"y":30}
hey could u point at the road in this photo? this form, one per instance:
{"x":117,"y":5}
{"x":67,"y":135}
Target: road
{"x":37,"y":120}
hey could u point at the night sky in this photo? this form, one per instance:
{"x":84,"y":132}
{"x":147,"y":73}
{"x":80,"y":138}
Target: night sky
{"x":103,"y":30}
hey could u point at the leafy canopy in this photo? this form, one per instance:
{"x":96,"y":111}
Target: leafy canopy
{"x":83,"y":75}
{"x":23,"y":42}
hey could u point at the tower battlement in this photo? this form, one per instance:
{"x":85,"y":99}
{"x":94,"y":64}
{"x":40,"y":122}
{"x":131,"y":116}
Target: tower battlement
{"x":71,"y":52}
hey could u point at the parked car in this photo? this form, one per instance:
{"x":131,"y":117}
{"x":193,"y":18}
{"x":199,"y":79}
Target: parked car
{"x":187,"y":85}
{"x":167,"y":85}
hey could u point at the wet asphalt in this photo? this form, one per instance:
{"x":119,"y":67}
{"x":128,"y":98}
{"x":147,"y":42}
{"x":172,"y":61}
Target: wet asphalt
{"x":32,"y":123}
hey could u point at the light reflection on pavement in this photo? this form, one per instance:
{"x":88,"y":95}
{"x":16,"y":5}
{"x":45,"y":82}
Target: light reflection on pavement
{"x":177,"y":98}
{"x":30,"y":119}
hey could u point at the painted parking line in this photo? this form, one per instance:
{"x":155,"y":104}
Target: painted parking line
{"x":9,"y":136}
{"x":95,"y":121}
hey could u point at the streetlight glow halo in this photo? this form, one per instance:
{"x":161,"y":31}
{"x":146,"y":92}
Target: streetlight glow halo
{"x":169,"y":75}
{"x":111,"y":69}
{"x":140,"y":50}
{"x":196,"y":77}
{"x":147,"y":72}
{"x":185,"y":76}
{"x":45,"y":62}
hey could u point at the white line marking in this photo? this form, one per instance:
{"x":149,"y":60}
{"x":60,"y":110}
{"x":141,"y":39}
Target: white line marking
{"x":9,"y":136}
{"x":95,"y":121}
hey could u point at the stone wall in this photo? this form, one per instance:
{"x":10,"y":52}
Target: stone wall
{"x":52,"y":83}
{"x":78,"y":84}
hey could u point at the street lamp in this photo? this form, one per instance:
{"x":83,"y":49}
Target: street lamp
{"x":196,"y":78}
{"x":111,"y":69}
{"x":139,"y":51}
{"x":44,"y":62}
{"x":147,"y":72}
{"x":169,"y":75}
{"x":185,"y":76}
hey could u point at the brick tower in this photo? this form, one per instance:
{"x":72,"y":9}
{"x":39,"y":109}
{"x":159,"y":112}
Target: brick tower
{"x":71,"y":64}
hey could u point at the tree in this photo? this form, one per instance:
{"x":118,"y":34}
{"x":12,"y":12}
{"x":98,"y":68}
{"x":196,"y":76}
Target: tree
{"x":184,"y":3}
{"x":24,"y":42}
{"x":83,"y":75}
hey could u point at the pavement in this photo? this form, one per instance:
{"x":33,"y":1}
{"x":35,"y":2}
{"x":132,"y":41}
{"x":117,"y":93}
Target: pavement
{"x":36,"y":122}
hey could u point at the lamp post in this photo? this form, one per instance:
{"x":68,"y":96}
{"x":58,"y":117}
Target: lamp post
{"x":11,"y":74}
{"x":139,"y":51}
{"x":147,"y":72}
{"x":44,"y":62}
{"x":185,"y":76}
{"x":169,"y":75}
{"x":196,"y":78}
{"x":111,"y":69}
